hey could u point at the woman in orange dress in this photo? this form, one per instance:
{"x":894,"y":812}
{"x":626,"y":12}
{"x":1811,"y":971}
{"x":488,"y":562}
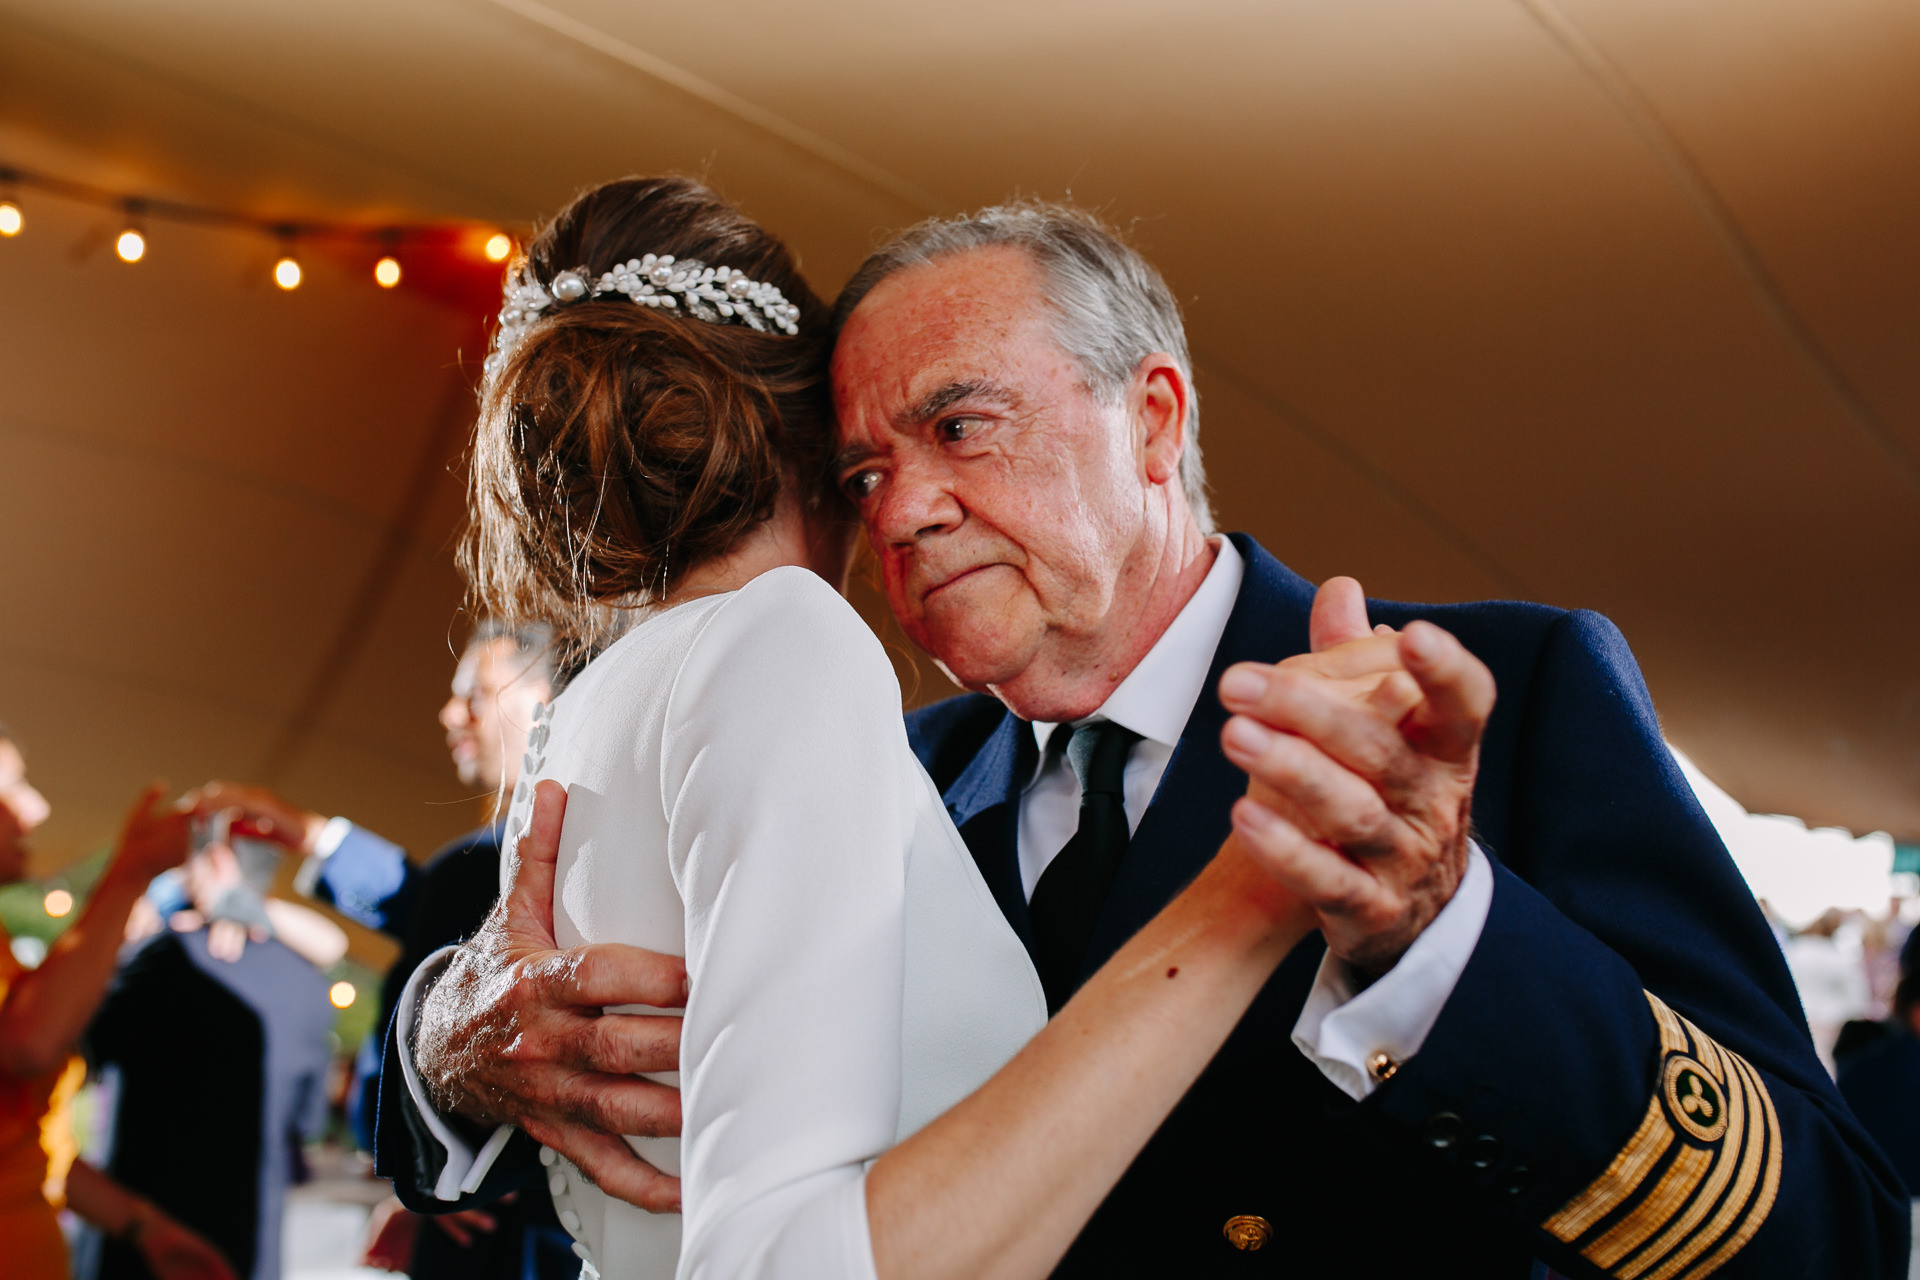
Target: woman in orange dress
{"x":43,"y":1012}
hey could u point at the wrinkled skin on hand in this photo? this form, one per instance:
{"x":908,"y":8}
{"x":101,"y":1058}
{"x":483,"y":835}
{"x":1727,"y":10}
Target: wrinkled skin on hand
{"x":1361,"y":759}
{"x":513,"y":1031}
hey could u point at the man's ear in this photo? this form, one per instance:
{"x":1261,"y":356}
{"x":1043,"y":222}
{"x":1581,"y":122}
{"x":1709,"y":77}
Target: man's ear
{"x":1159,"y":401}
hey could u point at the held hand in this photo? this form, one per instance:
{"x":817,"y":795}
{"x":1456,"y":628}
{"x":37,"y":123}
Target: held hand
{"x":1363,"y":780}
{"x":259,"y":812}
{"x":173,"y":1252}
{"x":155,"y":836}
{"x":391,"y":1232}
{"x":462,"y":1225}
{"x":1361,"y":664}
{"x":513,"y":1032}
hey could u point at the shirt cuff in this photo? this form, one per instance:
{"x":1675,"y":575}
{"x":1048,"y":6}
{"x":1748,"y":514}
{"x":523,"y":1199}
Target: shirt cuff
{"x":1346,"y":1031}
{"x":307,"y":879}
{"x":465,"y":1169}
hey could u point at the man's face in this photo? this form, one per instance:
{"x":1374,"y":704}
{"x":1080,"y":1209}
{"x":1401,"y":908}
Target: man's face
{"x":491,"y":711}
{"x":21,"y":810}
{"x":1006,"y":503}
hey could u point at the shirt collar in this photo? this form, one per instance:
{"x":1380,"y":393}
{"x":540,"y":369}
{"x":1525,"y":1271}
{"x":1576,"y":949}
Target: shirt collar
{"x":1158,"y":695}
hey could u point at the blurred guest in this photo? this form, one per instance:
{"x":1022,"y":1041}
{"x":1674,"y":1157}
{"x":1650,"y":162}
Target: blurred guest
{"x":1829,"y":969}
{"x":215,"y":1041}
{"x":1881,"y":1082}
{"x":503,"y":673}
{"x":42,"y":1014}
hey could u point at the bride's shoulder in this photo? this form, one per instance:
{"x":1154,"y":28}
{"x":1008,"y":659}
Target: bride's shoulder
{"x":789,"y":629}
{"x":793,"y":606}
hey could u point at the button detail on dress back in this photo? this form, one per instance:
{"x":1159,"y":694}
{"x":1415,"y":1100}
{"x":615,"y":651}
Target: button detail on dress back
{"x":1247,"y":1231}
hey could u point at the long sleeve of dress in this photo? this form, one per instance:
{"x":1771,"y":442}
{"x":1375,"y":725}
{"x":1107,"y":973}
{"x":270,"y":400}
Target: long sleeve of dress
{"x":786,"y":783}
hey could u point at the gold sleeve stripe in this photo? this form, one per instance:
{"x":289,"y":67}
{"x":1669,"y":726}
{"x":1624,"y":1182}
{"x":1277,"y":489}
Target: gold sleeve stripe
{"x":1674,"y":1259}
{"x":1675,"y":1187}
{"x":1622,"y":1178}
{"x":1698,"y":1177}
{"x":1707,"y":1050}
{"x":1672,"y":1038}
{"x":1769,"y":1188}
{"x":1678,"y":1229}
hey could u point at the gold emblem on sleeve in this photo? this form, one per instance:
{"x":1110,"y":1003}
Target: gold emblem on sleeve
{"x":1695,"y":1100}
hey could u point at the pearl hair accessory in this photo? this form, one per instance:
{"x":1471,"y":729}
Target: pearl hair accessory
{"x":713,"y":294}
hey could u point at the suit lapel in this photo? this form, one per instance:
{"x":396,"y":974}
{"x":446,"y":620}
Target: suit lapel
{"x":1188,"y":819}
{"x":984,"y":802}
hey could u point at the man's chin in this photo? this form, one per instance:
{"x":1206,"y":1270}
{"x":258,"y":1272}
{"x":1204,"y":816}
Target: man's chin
{"x":975,"y":661}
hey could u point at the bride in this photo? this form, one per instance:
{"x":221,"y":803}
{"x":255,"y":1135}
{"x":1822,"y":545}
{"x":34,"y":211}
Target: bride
{"x":871,"y":1085}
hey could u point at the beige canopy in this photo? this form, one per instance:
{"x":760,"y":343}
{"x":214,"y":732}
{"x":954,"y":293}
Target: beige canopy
{"x":1605,"y":303}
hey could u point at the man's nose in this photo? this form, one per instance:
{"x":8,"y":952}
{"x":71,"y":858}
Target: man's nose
{"x":919,"y":500}
{"x":454,"y":713}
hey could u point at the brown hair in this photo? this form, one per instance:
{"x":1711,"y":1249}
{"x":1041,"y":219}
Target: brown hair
{"x":618,"y":445}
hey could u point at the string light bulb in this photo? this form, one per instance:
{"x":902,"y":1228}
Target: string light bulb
{"x":286,"y":272}
{"x":499,"y":245}
{"x":58,"y":902}
{"x":342,"y":995}
{"x":386,"y":272}
{"x":11,"y":219}
{"x":132,"y":242}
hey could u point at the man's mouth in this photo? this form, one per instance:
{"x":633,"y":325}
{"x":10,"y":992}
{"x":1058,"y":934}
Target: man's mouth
{"x":950,"y":579}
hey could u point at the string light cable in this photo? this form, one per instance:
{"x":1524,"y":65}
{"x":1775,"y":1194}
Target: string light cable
{"x":390,"y":242}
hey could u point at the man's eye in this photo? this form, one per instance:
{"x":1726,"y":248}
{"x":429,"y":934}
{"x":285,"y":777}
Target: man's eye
{"x":861,"y":484}
{"x":953,"y":430}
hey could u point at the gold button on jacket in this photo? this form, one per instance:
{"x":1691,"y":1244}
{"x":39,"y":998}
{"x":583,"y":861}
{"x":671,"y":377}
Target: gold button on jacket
{"x":1247,"y":1231}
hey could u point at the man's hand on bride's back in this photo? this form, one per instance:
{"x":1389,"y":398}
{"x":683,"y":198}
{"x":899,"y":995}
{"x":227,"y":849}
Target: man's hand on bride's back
{"x":512,"y":1031}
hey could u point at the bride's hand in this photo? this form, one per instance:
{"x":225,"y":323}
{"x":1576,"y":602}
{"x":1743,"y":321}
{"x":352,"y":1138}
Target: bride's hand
{"x":1350,"y":660}
{"x":512,"y":1032}
{"x":1368,"y":749}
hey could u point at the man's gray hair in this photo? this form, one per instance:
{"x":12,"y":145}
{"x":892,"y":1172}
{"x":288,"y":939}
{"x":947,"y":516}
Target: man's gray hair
{"x":1111,"y":307}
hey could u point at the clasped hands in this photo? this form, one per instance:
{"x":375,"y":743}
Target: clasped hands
{"x":1361,"y":757}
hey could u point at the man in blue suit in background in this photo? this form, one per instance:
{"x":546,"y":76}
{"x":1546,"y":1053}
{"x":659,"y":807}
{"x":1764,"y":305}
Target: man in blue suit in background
{"x":503,"y":673}
{"x":1547,"y":1026}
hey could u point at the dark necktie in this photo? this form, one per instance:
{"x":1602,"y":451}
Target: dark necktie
{"x":1066,"y":903}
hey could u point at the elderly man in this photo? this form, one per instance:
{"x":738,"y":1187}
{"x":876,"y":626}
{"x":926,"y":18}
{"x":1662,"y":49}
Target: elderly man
{"x":1566,"y":1042}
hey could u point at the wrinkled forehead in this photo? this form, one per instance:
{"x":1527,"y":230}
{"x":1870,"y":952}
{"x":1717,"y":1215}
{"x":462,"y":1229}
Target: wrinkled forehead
{"x":973,"y":317}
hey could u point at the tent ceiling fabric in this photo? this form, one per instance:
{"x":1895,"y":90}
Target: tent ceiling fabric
{"x":1607,"y":303}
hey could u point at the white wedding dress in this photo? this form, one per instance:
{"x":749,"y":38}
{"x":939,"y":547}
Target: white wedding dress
{"x":740,"y":791}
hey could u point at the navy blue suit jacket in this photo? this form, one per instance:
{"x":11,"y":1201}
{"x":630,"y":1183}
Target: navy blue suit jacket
{"x":1621,"y":1083}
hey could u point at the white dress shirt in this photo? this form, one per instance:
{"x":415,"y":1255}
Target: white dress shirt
{"x":1342,"y":1027}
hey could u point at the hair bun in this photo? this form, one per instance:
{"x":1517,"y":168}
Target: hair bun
{"x":618,"y":445}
